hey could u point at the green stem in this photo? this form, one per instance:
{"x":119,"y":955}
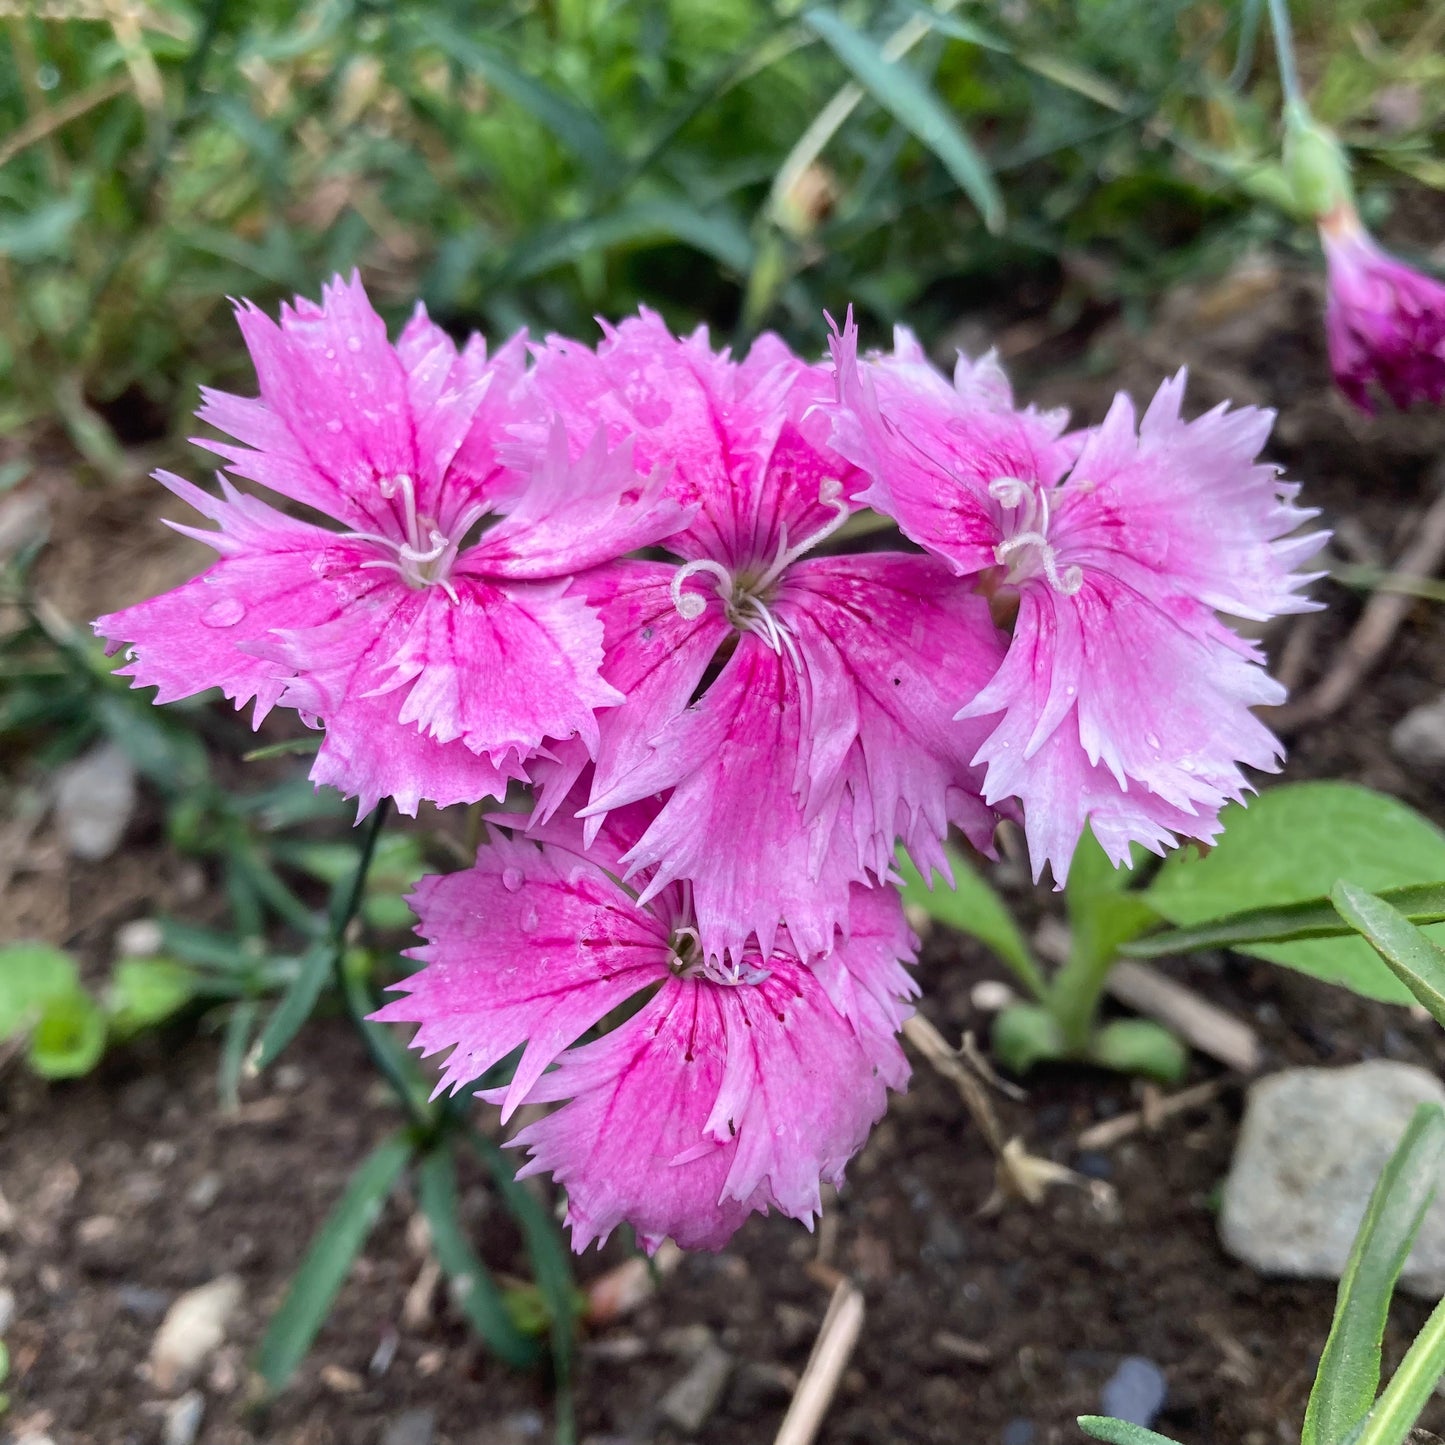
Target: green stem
{"x":1279,"y":24}
{"x":1396,"y":1410}
{"x":1074,"y":996}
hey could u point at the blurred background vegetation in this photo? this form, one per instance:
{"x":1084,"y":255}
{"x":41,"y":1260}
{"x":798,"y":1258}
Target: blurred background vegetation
{"x":539,"y":162}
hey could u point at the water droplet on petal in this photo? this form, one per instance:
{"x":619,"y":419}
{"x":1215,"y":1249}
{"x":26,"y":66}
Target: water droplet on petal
{"x":334,"y":425}
{"x":529,"y":921}
{"x":353,"y":343}
{"x":225,"y":612}
{"x":511,"y":879}
{"x":1152,"y":740}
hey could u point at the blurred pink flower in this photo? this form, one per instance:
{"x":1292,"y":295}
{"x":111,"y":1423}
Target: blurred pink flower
{"x":1384,"y":321}
{"x":1124,"y":700}
{"x":438,"y":661}
{"x":728,"y":1091}
{"x":796,"y":710}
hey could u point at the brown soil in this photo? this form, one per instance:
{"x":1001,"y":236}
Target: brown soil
{"x":125,"y":1189}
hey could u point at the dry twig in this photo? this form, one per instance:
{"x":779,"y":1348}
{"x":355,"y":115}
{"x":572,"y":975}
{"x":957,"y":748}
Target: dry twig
{"x":1199,"y":1023}
{"x":1109,"y":1132}
{"x":837,"y":1336}
{"x":1378,"y":623}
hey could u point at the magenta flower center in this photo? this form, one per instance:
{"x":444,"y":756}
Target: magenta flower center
{"x":423,"y":551}
{"x":746,"y":593}
{"x":1026,"y":550}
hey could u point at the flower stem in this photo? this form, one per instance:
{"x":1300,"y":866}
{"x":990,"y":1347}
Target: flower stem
{"x":1075,"y":993}
{"x":1279,"y":24}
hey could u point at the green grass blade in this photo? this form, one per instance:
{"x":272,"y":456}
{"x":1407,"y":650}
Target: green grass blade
{"x":551,"y":1267}
{"x":1416,"y":961}
{"x":973,"y":907}
{"x":577,"y":129}
{"x":1121,"y":1432}
{"x":1314,"y":918}
{"x":313,"y":1289}
{"x":294,"y":1009}
{"x":478,"y":1297}
{"x":1413,"y":1383}
{"x":1348,"y":1377}
{"x":915,"y":106}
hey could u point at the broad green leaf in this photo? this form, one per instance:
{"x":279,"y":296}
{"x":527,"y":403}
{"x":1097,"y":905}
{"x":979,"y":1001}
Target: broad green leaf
{"x":1120,"y":1432}
{"x":1024,"y":1036}
{"x":294,"y":1009}
{"x":574,"y":127}
{"x":69,"y":1038}
{"x":146,"y":991}
{"x":973,"y":907}
{"x":1417,"y":962}
{"x":1139,"y":1046}
{"x":1315,"y":918}
{"x":308,"y":1301}
{"x":31,"y":975}
{"x":913,"y":104}
{"x":474,"y":1291}
{"x":1348,"y":1377}
{"x":1292,"y":844}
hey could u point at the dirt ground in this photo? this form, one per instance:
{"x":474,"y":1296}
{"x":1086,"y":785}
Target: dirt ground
{"x":124,"y":1189}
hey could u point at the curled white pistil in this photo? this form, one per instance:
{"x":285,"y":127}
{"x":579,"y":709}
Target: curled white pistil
{"x":424,"y":554}
{"x":744,"y":602}
{"x":1031,"y":539}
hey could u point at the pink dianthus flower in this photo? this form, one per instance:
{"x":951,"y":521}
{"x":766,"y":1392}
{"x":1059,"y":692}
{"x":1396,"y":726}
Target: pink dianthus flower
{"x":796,"y":710}
{"x":1124,"y":699}
{"x":729,"y":1091}
{"x":1385,"y":322}
{"x":439,"y":660}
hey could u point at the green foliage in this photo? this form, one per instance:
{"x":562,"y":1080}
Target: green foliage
{"x":1026,"y":1035}
{"x":328,"y":1261}
{"x":1140,"y":1046}
{"x":1406,"y":950}
{"x":1291,"y":845}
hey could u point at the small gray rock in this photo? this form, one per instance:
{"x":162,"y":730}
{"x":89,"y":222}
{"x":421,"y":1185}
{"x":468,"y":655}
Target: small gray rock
{"x":1019,"y":1431}
{"x":411,"y":1427}
{"x":689,"y":1403}
{"x":94,"y":798}
{"x":7,"y":1309}
{"x":1135,"y":1391}
{"x":183,"y":1419}
{"x":1311,"y":1147}
{"x":1418,"y":739}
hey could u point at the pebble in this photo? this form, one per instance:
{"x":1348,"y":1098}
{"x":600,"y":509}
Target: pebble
{"x":991,"y":996}
{"x":1418,"y":739}
{"x":7,"y":1309}
{"x":1018,"y":1432}
{"x":1310,"y":1149}
{"x":194,"y":1326}
{"x":183,"y":1419}
{"x":143,"y":1303}
{"x":411,"y":1427}
{"x":689,"y":1402}
{"x":94,"y":799}
{"x":1094,"y":1165}
{"x":204,"y":1192}
{"x":1135,"y":1391}
{"x":140,"y":938}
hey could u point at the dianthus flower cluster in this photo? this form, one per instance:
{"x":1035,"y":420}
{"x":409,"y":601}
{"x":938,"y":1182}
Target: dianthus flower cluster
{"x":622,"y":575}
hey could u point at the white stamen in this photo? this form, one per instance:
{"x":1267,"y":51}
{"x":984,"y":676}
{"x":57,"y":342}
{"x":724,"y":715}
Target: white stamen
{"x":1008,"y":490}
{"x":1067,"y":582}
{"x":691,"y":604}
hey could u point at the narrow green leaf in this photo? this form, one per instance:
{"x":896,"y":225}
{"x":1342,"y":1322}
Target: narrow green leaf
{"x":294,"y":1009}
{"x":1410,"y":1387}
{"x":574,"y":127}
{"x":551,"y":1264}
{"x":972,"y":906}
{"x":321,"y":1273}
{"x":913,"y":104}
{"x":1105,"y":911}
{"x":1120,"y":1432}
{"x":1348,"y":1377}
{"x":239,"y":1023}
{"x":292,"y":747}
{"x":1417,"y":962}
{"x":1314,"y":918}
{"x":474,"y":1290}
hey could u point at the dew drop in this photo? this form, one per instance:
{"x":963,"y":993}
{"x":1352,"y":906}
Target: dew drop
{"x":1187,"y":765}
{"x":225,"y":612}
{"x":511,"y":879}
{"x":1152,"y":740}
{"x":334,"y":425}
{"x":353,"y":343}
{"x":529,"y":921}
{"x":1070,"y":690}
